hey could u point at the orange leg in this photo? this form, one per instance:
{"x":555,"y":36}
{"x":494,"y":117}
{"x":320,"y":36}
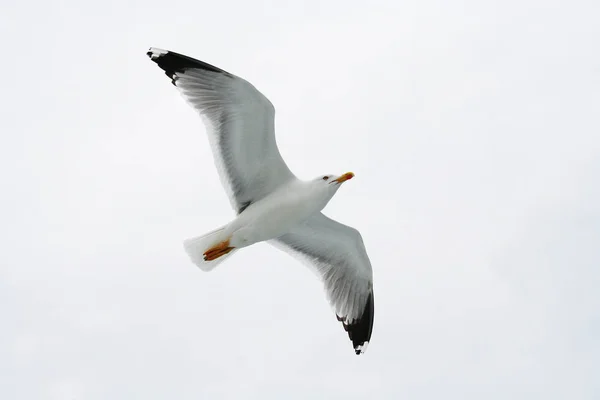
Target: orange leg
{"x":218,"y":250}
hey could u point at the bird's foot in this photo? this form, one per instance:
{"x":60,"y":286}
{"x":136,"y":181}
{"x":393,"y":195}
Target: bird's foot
{"x":218,"y":250}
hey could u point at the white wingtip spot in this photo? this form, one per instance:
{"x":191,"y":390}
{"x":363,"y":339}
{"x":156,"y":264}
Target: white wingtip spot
{"x":155,"y":52}
{"x":362,"y":348}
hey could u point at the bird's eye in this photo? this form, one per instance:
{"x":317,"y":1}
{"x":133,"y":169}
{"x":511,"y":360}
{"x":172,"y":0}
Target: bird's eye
{"x":325,"y":178}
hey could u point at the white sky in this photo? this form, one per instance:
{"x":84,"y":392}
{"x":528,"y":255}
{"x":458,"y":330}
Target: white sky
{"x":474,"y":132}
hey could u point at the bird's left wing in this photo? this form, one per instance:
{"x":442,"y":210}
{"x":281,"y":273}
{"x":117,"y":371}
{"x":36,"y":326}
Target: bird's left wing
{"x":337,"y":253}
{"x":240,"y":126}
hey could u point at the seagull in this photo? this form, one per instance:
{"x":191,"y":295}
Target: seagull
{"x":271,"y":204}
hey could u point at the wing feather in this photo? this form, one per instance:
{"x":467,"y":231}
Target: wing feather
{"x":240,"y":125}
{"x":337,"y":254}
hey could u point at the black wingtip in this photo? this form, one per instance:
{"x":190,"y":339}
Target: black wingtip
{"x":360,"y":330}
{"x":172,"y":63}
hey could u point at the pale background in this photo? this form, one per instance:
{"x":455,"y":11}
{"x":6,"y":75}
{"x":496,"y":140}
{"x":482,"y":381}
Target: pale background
{"x":473,"y":128}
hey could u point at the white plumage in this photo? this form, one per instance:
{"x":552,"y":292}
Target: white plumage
{"x":270,"y":202}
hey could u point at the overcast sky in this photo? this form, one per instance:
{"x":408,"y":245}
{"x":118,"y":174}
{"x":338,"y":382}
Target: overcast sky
{"x":473,"y":128}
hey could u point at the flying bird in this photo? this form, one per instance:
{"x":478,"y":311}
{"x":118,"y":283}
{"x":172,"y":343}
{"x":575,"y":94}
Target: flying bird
{"x":270,"y":202}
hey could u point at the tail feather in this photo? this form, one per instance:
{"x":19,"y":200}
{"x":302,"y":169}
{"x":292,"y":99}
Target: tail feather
{"x":196,"y":247}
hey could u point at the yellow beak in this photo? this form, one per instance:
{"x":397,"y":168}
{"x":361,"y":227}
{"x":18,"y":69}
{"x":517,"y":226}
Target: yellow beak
{"x":345,"y":177}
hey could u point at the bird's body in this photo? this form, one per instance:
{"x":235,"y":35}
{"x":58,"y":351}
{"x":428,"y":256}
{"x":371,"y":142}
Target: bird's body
{"x":277,"y":213}
{"x":271,"y":204}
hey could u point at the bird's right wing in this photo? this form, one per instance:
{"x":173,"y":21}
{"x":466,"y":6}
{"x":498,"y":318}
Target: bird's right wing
{"x":337,"y":253}
{"x":240,"y":125}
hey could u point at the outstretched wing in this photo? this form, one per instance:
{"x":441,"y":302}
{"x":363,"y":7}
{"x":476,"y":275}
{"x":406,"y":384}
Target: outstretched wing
{"x":240,"y":125}
{"x":337,"y":253}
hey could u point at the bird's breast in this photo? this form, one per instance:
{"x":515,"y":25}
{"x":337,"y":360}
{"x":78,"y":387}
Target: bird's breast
{"x":275,"y":215}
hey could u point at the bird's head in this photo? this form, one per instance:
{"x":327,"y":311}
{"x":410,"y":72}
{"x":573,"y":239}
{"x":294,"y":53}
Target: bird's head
{"x":325,"y":186}
{"x":332,"y":182}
